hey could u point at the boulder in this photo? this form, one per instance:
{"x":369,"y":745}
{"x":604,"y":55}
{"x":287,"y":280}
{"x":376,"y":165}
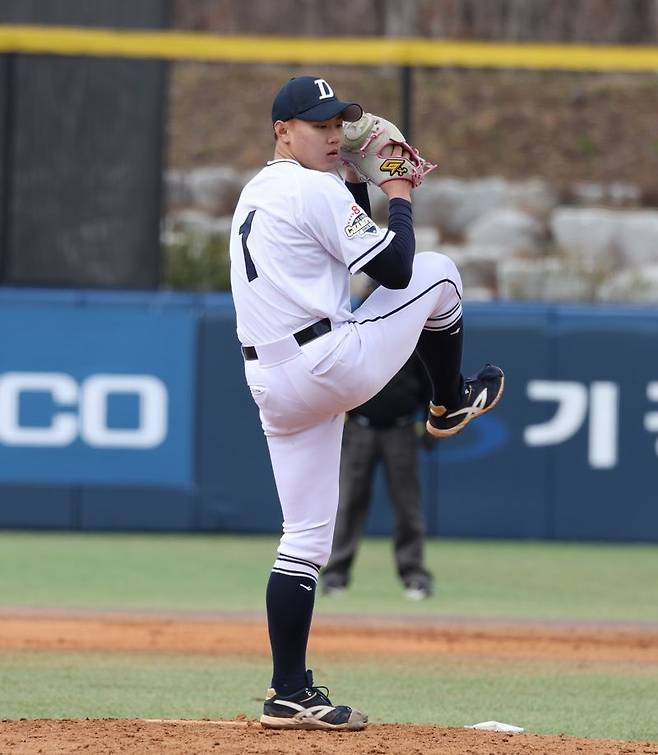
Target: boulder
{"x":567,"y":284}
{"x":606,"y":240}
{"x":637,"y":237}
{"x":547,"y":279}
{"x":215,"y":188}
{"x":636,"y":284}
{"x":452,"y":204}
{"x":507,"y":227}
{"x":534,"y":197}
{"x":616,"y":193}
{"x":194,"y":224}
{"x":477,"y":265}
{"x":589,"y":235}
{"x":189,"y":221}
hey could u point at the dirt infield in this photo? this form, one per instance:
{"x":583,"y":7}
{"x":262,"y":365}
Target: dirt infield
{"x":246,"y":636}
{"x":239,"y":737}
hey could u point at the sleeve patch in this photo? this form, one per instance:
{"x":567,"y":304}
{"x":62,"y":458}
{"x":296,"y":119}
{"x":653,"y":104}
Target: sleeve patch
{"x":358,"y":223}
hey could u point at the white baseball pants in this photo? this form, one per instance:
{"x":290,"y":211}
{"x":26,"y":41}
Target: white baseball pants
{"x":302,"y":393}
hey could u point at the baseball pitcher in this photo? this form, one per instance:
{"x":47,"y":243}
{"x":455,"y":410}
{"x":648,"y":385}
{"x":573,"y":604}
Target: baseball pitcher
{"x":299,"y":231}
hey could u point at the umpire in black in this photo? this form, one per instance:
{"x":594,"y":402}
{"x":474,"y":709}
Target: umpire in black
{"x":383,"y":429}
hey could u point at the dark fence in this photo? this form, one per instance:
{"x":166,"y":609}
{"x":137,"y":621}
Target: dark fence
{"x":81,"y":150}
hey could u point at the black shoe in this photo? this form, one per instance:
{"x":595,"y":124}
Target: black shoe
{"x":309,"y":708}
{"x":333,"y":584}
{"x":481,"y":393}
{"x":418,"y":586}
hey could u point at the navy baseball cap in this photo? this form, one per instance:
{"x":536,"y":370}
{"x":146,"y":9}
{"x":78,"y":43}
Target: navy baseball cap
{"x":311,"y":99}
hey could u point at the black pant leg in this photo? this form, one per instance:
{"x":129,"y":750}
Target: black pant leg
{"x":359,"y":457}
{"x":400,"y":453}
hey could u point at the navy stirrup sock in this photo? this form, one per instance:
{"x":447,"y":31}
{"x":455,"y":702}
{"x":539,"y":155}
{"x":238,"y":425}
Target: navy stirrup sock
{"x":440,"y":351}
{"x":289,"y":600}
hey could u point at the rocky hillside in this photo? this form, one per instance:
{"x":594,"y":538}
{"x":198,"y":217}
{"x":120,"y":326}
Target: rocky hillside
{"x":544,"y":192}
{"x":547,"y":180}
{"x":565,"y":128}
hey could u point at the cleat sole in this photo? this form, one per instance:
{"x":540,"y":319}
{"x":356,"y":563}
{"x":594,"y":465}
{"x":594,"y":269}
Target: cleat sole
{"x":356,"y":723}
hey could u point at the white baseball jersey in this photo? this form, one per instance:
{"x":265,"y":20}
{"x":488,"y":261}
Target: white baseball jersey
{"x":295,"y":235}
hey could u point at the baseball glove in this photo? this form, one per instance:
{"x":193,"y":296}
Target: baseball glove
{"x":369,"y":146}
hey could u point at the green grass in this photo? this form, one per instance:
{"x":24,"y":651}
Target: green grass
{"x":520,"y":579}
{"x":545,"y":698}
{"x":515,"y":579}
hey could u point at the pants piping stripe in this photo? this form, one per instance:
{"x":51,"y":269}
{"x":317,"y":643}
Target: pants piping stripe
{"x":411,"y":301}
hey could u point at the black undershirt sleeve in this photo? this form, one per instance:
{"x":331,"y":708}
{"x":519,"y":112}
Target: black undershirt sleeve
{"x":360,"y":193}
{"x":393,"y":266}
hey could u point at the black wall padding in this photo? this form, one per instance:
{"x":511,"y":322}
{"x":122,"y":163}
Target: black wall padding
{"x":82,"y":146}
{"x":4,"y":176}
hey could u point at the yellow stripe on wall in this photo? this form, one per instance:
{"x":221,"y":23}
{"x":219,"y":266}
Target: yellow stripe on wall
{"x":171,"y":45}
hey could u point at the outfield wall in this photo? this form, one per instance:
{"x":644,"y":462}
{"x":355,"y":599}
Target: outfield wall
{"x":128,"y":411}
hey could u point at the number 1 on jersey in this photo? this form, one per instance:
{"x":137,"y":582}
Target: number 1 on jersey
{"x":245,"y":230}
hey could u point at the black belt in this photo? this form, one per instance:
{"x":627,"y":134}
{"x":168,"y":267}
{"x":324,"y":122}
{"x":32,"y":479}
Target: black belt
{"x":364,"y":421}
{"x":314,"y":331}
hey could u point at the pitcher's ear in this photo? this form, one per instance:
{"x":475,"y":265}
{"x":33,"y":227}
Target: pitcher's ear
{"x":280,"y":129}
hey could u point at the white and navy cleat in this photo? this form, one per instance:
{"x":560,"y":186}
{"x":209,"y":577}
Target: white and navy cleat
{"x":481,"y":393}
{"x":309,"y":708}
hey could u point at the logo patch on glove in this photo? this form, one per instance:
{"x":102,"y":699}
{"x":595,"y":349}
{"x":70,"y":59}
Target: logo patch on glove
{"x":394,"y":167}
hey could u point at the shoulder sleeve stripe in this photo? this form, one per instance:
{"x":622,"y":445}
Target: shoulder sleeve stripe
{"x":386,"y":240}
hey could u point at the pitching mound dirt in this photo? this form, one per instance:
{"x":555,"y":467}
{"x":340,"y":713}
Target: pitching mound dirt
{"x":242,"y":636}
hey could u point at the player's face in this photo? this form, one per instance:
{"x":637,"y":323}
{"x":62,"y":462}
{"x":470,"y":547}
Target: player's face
{"x":314,"y":144}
